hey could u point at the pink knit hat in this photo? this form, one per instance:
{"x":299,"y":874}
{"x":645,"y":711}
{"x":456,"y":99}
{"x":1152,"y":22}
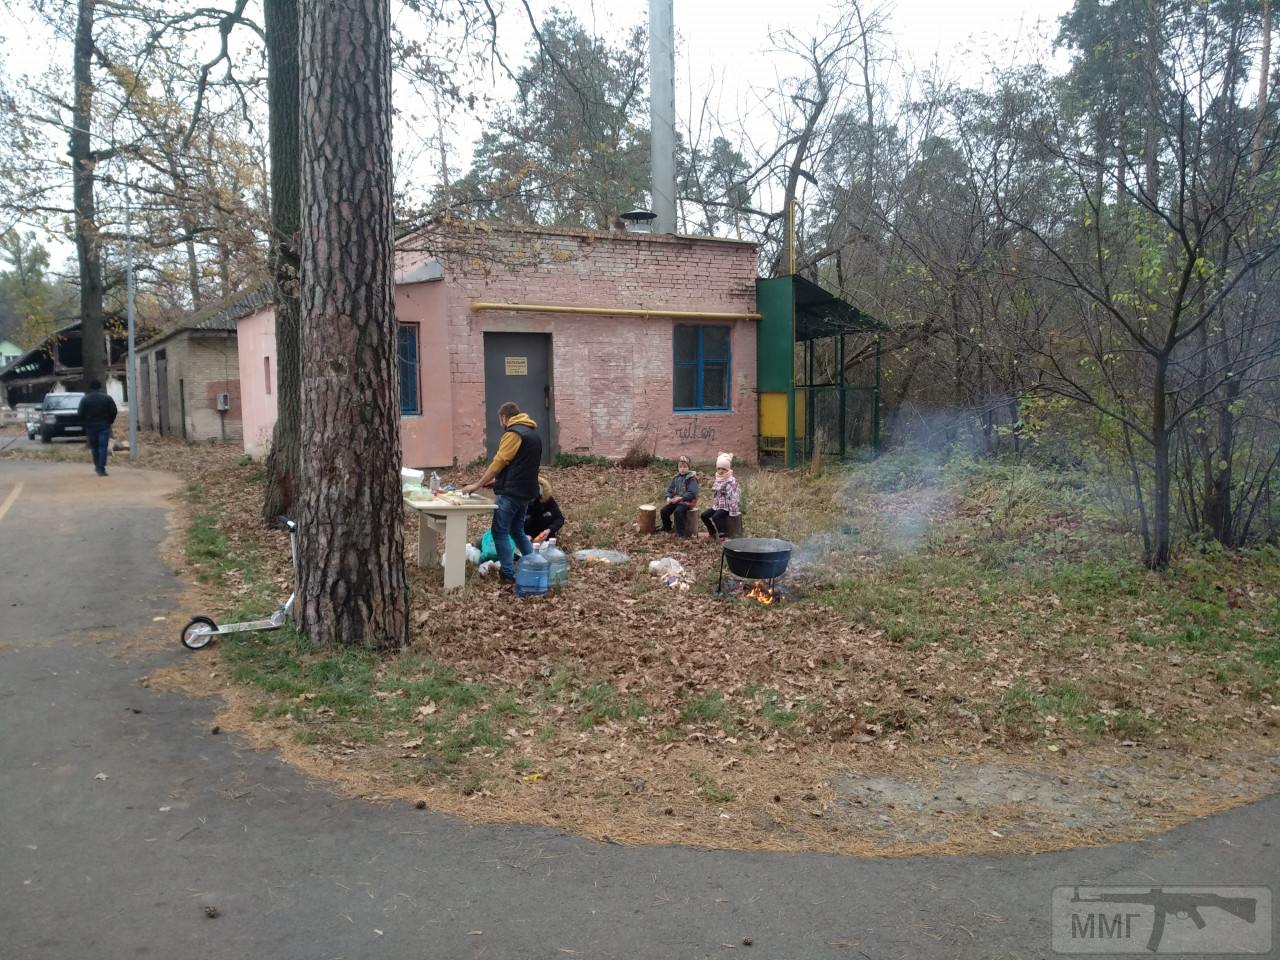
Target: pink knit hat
{"x":724,"y":461}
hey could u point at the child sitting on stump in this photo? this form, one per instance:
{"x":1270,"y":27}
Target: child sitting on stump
{"x":682,"y":495}
{"x":724,"y":498}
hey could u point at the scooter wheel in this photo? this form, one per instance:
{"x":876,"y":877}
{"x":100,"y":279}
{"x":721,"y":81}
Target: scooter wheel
{"x":194,"y":638}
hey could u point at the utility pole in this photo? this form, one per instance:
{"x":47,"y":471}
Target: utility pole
{"x":132,"y":368}
{"x":440,"y":140}
{"x":662,"y":113}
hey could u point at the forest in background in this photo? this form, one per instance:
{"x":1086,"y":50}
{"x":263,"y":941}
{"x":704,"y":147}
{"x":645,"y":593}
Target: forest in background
{"x":1074,"y":265}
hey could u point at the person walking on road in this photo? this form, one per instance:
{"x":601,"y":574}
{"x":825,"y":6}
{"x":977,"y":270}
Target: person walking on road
{"x":97,"y":412}
{"x":514,"y":475}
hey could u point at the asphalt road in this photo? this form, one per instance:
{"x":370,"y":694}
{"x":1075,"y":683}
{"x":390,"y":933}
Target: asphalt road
{"x":12,"y":438}
{"x":122,"y":817}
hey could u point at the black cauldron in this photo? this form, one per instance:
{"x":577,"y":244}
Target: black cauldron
{"x":757,"y":558}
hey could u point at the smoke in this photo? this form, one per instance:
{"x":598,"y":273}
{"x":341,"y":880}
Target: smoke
{"x":895,"y":505}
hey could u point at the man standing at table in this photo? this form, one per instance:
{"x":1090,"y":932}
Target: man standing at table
{"x":514,"y":475}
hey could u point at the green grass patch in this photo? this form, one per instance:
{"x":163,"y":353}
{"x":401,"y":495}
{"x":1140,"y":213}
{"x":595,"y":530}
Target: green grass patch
{"x":705,"y":708}
{"x":204,"y":543}
{"x":710,"y":790}
{"x":352,"y":694}
{"x":209,"y":554}
{"x":773,"y":712}
{"x":1029,"y":711}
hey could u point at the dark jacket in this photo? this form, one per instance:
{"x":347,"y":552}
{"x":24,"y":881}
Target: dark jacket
{"x":519,"y":456}
{"x":684,"y":486}
{"x":543,"y":515}
{"x":97,"y":411}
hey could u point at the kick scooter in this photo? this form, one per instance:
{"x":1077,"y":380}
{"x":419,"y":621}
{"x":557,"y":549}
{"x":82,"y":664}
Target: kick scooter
{"x":201,"y":630}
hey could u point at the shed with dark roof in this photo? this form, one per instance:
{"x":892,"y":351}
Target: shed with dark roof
{"x":189,"y":375}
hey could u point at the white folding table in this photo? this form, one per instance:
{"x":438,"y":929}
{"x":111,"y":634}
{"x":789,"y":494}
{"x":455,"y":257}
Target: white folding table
{"x":447,"y":514}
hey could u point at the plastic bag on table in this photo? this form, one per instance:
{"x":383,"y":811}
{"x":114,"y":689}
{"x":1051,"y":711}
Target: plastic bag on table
{"x":600,"y":556}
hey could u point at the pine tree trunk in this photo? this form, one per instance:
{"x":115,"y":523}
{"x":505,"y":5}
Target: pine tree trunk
{"x":282,"y":98}
{"x":351,"y":530}
{"x":83,"y":161}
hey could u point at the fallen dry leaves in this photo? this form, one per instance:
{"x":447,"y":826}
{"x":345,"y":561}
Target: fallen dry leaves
{"x":646,"y":714}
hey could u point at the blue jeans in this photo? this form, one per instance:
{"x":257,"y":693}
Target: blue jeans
{"x":509,"y":519}
{"x":98,"y":439}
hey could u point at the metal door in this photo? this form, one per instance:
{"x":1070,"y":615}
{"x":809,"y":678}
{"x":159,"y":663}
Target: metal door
{"x":144,"y":394}
{"x":162,"y":391}
{"x":517,"y":367}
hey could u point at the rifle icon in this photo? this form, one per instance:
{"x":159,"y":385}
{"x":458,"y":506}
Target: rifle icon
{"x":1181,"y":905}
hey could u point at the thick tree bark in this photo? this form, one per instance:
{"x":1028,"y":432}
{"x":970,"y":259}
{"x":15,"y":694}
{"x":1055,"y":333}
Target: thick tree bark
{"x":282,"y":98}
{"x":352,"y":578}
{"x":83,"y":161}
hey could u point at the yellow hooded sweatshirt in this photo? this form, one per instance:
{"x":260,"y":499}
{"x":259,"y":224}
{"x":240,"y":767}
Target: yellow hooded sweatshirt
{"x":509,"y":445}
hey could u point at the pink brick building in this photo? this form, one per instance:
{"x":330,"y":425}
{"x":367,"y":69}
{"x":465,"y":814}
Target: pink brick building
{"x":607,"y":340}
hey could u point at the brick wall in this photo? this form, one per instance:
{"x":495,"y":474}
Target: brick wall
{"x":198,"y":366}
{"x":259,"y":378}
{"x":612,"y":376}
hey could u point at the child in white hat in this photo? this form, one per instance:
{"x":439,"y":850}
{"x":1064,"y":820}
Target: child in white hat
{"x":724,"y":498}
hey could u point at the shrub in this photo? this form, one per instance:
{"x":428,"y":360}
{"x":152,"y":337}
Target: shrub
{"x":637,"y":457}
{"x":580,"y":460}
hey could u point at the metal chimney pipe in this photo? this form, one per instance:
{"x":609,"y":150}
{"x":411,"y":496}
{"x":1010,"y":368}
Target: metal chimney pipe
{"x":662,"y":113}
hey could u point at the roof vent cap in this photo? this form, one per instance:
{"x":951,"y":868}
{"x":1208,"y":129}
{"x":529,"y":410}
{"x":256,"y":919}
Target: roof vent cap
{"x":639,"y":221}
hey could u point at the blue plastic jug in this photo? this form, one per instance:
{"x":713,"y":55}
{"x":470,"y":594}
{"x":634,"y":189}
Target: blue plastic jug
{"x":559,"y":565}
{"x":533,"y":575}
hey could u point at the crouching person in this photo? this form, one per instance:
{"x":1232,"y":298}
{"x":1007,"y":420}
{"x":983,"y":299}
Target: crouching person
{"x":545,"y":518}
{"x":682,"y":496}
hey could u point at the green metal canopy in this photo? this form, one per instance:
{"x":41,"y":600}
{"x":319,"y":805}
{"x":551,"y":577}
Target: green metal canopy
{"x":796,"y":411}
{"x":820,"y":313}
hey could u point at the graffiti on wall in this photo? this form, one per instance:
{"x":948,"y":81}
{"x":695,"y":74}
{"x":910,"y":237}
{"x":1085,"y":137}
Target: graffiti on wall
{"x":695,"y":432}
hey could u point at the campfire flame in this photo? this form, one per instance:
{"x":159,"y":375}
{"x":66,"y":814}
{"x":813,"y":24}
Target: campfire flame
{"x":761,"y":592}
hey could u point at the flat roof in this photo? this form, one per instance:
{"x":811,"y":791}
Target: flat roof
{"x":821,"y":313}
{"x":493,"y":228}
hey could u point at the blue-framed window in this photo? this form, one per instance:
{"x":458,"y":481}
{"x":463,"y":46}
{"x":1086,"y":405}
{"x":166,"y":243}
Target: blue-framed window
{"x":407,"y":347}
{"x":700,"y":378}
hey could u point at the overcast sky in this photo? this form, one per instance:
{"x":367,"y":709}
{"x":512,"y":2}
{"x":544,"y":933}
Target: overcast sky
{"x":725,"y":51}
{"x":724,"y":47}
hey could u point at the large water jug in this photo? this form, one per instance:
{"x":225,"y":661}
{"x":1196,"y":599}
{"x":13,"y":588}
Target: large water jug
{"x":559,"y":578}
{"x":533,"y":575}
